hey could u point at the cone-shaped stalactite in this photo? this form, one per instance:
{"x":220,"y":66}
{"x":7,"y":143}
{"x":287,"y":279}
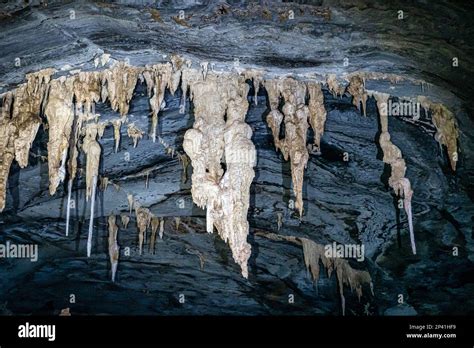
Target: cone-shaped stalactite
{"x":113,"y":245}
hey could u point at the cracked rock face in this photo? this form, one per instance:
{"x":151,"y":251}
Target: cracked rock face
{"x":136,"y":129}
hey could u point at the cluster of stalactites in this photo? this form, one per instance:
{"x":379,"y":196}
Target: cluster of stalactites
{"x":393,"y":156}
{"x":314,"y":254}
{"x":446,"y":128}
{"x":296,"y":115}
{"x":19,"y":123}
{"x":220,"y":134}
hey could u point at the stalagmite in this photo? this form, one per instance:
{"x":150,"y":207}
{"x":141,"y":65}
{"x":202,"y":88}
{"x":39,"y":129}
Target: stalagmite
{"x":393,"y":156}
{"x":143,"y":217}
{"x":135,"y":133}
{"x":155,"y":222}
{"x":317,"y":112}
{"x":125,"y":220}
{"x":59,"y":111}
{"x":212,"y":138}
{"x":113,"y":246}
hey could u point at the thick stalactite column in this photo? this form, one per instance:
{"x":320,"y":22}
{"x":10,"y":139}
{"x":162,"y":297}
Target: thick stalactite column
{"x":221,"y":134}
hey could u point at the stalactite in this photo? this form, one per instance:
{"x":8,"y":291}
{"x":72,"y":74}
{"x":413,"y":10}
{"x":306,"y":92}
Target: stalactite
{"x":91,"y":218}
{"x":155,"y":222}
{"x":59,"y":111}
{"x":117,"y":124}
{"x":317,"y":112}
{"x":204,"y":69}
{"x":393,"y":156}
{"x":314,"y":253}
{"x":446,"y":128}
{"x":293,"y":146}
{"x":162,"y":227}
{"x":125,"y":220}
{"x":28,"y":100}
{"x":356,"y":88}
{"x":257,"y":79}
{"x":87,"y":92}
{"x":104,"y":183}
{"x":92,"y":150}
{"x":7,"y":148}
{"x":184,"y":160}
{"x":143,"y":217}
{"x":113,"y":245}
{"x":118,"y":84}
{"x":157,"y":78}
{"x":177,"y":63}
{"x":334,"y":87}
{"x":130,"y":202}
{"x":177,"y":222}
{"x":212,"y":138}
{"x":135,"y":133}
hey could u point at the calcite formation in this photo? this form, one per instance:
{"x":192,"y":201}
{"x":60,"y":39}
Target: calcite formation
{"x":157,"y":78}
{"x":113,"y":245}
{"x":393,"y":156}
{"x":59,"y":111}
{"x":118,"y":84}
{"x":220,"y":134}
{"x":218,"y":146}
{"x":356,"y":88}
{"x":296,"y":114}
{"x":20,"y":121}
{"x":135,"y":133}
{"x":314,"y":255}
{"x":446,"y":128}
{"x":143,"y":217}
{"x":92,"y":150}
{"x":317,"y":112}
